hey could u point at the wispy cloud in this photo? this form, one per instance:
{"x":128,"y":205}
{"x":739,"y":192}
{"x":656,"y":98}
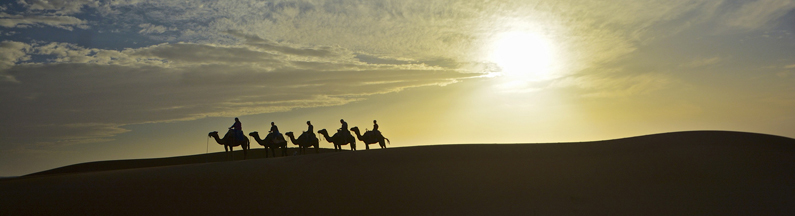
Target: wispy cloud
{"x":147,"y":28}
{"x":87,"y":94}
{"x":755,"y":14}
{"x":620,"y":86}
{"x":24,"y":21}
{"x":11,"y":52}
{"x":228,"y":58}
{"x":58,"y":6}
{"x":702,"y":62}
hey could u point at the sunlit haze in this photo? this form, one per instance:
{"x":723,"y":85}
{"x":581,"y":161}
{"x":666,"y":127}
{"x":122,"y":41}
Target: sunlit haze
{"x":97,"y":80}
{"x":524,"y":55}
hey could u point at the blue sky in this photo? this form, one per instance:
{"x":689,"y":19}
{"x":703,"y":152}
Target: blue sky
{"x":93,"y":80}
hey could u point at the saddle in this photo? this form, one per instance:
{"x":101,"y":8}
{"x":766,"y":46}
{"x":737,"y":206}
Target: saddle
{"x":237,"y":134}
{"x":277,"y":137}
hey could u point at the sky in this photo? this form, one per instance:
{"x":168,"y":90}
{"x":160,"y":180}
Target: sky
{"x":91,"y":80}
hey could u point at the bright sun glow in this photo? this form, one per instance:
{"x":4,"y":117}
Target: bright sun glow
{"x":524,"y":55}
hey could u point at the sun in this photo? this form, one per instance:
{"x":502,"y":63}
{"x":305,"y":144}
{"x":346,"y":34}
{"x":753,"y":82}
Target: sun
{"x":524,"y":55}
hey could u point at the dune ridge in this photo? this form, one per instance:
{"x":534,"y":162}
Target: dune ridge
{"x":255,"y":153}
{"x":682,"y":173}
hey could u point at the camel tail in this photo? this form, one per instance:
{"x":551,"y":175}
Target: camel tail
{"x":387,"y":141}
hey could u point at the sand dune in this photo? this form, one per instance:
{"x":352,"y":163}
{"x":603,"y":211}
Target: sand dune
{"x":685,"y":173}
{"x":255,"y":153}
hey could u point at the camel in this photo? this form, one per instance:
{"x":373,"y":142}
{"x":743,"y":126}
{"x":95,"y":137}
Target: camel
{"x":338,"y":140}
{"x":304,"y":141}
{"x":370,"y":137}
{"x":229,"y":142}
{"x":269,"y":143}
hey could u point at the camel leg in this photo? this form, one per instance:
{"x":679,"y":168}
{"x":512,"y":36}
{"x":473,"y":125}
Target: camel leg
{"x":245,"y":151}
{"x":366,"y":146}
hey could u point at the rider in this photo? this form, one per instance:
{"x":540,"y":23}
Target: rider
{"x":375,"y":129}
{"x":344,"y":130}
{"x":237,"y":127}
{"x":275,"y":131}
{"x":344,"y":125}
{"x":309,"y":134}
{"x":311,"y":128}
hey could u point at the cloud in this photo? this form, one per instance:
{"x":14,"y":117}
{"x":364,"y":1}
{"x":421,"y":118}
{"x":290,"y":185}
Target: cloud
{"x":229,"y":58}
{"x":620,"y":86}
{"x":24,"y":21}
{"x":268,"y":45}
{"x":755,"y":14}
{"x":58,"y":6}
{"x":84,"y":95}
{"x":11,"y":52}
{"x":702,"y":62}
{"x":147,"y":28}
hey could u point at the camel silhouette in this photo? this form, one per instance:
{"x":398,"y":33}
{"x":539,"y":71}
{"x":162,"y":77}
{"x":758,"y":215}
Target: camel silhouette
{"x":370,"y":137}
{"x":304,"y":141}
{"x":229,"y":141}
{"x":268,"y":143}
{"x":338,"y":140}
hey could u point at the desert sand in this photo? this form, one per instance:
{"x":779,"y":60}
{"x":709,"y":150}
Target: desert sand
{"x":682,"y":173}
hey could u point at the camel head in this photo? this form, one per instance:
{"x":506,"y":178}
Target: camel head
{"x":323,"y":131}
{"x":214,"y":133}
{"x":290,"y":134}
{"x":254,"y":133}
{"x":355,"y":129}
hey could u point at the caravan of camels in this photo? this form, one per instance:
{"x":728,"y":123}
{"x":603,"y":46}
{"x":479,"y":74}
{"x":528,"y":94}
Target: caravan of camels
{"x":275,"y":140}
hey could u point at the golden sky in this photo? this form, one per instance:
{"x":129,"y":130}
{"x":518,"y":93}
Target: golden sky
{"x":101,"y":80}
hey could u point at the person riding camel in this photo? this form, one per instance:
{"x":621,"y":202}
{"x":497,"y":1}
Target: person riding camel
{"x":375,"y":129}
{"x":344,"y":130}
{"x":309,"y":134}
{"x":275,"y":131}
{"x":311,"y":128}
{"x":237,"y":127}
{"x":344,"y":125}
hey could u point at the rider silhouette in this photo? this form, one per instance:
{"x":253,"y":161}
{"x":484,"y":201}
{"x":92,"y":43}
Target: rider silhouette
{"x":275,"y":131}
{"x":376,"y":132}
{"x":237,"y":128}
{"x":344,"y":125}
{"x":311,"y":128}
{"x":343,"y":131}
